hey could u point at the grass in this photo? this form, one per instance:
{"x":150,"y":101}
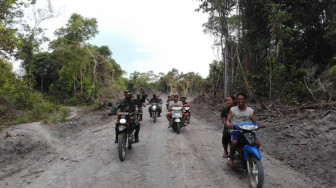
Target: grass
{"x":37,"y":115}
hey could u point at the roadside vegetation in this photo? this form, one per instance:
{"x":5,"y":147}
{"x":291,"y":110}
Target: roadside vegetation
{"x":275,"y":51}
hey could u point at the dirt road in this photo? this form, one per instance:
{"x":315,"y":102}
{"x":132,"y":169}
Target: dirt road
{"x":162,"y":158}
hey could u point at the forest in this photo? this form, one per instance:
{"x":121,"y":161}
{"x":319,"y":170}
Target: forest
{"x":275,"y":50}
{"x":279,"y":51}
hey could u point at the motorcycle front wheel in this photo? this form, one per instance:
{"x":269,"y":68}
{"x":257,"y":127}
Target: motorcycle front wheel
{"x":122,"y":146}
{"x":178,"y":127}
{"x":154,"y":116}
{"x":188,"y":119}
{"x":255,"y":171}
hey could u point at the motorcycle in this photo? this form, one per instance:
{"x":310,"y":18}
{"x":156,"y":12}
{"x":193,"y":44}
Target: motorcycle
{"x":177,"y":119}
{"x":186,"y":110}
{"x":154,"y":110}
{"x":126,"y":122}
{"x":248,"y":155}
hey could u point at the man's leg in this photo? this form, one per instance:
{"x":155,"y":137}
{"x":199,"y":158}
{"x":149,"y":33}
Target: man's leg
{"x":159,"y":110}
{"x":235,"y":137}
{"x":184,"y":118}
{"x":232,"y":151}
{"x":225,"y":142}
{"x":136,"y":134}
{"x":169,"y":116}
{"x":150,"y":113}
{"x":257,"y":143}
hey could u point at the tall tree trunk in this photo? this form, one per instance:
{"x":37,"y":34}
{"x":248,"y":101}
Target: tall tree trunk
{"x":94,"y":75}
{"x":74,"y":87}
{"x":41,"y":83}
{"x":81,"y":82}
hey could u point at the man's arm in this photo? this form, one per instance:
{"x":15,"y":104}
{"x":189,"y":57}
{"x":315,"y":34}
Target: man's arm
{"x":170,"y":106}
{"x":254,"y":118}
{"x":224,"y":122}
{"x":224,"y":117}
{"x":229,"y":120}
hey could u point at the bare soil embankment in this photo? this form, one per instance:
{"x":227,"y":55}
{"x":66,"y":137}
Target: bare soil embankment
{"x":31,"y":143}
{"x":303,"y":138}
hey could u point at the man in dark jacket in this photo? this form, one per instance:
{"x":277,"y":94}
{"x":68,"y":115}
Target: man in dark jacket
{"x":155,"y":100}
{"x":128,"y":105}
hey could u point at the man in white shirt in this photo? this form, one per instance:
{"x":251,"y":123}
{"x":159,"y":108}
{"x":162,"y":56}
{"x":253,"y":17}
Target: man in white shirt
{"x":174,"y":103}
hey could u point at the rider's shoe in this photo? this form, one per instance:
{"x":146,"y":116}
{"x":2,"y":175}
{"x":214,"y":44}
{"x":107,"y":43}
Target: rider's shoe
{"x":159,"y":115}
{"x":116,"y":140}
{"x":170,"y":124}
{"x":136,"y":139}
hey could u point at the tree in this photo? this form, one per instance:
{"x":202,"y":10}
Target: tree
{"x":71,"y":50}
{"x":217,"y":25}
{"x":11,"y":12}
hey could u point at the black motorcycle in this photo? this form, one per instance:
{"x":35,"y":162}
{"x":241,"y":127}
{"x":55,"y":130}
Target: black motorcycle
{"x":154,"y":109}
{"x":125,"y":124}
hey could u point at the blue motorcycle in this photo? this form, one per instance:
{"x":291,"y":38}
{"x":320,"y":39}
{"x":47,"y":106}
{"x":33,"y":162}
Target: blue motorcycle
{"x":248,"y":154}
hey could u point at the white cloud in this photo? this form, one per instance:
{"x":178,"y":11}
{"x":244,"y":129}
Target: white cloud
{"x":168,"y":31}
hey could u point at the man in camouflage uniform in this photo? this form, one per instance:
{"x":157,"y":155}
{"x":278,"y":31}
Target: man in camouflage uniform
{"x":155,"y":100}
{"x":128,"y":105}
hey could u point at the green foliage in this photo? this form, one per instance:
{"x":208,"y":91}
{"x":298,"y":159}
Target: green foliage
{"x":332,"y":71}
{"x":11,"y":12}
{"x":271,"y":45}
{"x":18,"y":101}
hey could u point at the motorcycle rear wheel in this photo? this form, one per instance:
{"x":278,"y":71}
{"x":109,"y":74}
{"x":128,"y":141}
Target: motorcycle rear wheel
{"x":255,"y":171}
{"x":122,"y":140}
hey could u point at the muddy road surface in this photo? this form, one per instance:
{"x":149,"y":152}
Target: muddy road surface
{"x":88,"y":157}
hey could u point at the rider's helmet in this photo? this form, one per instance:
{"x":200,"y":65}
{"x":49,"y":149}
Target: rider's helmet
{"x":127,"y":94}
{"x":154,"y":95}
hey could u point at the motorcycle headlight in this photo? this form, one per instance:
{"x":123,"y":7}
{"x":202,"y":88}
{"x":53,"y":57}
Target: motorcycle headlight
{"x":154,"y":107}
{"x":186,"y":108}
{"x":248,"y":127}
{"x":122,"y":121}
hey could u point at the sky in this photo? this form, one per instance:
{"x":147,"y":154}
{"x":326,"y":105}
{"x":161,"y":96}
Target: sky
{"x":144,"y":35}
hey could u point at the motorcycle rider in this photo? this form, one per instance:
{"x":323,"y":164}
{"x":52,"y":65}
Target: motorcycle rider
{"x":183,"y":100}
{"x":238,"y":114}
{"x":129,"y":104}
{"x":174,"y":103}
{"x":139,"y":103}
{"x":230,"y":102}
{"x":155,"y":100}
